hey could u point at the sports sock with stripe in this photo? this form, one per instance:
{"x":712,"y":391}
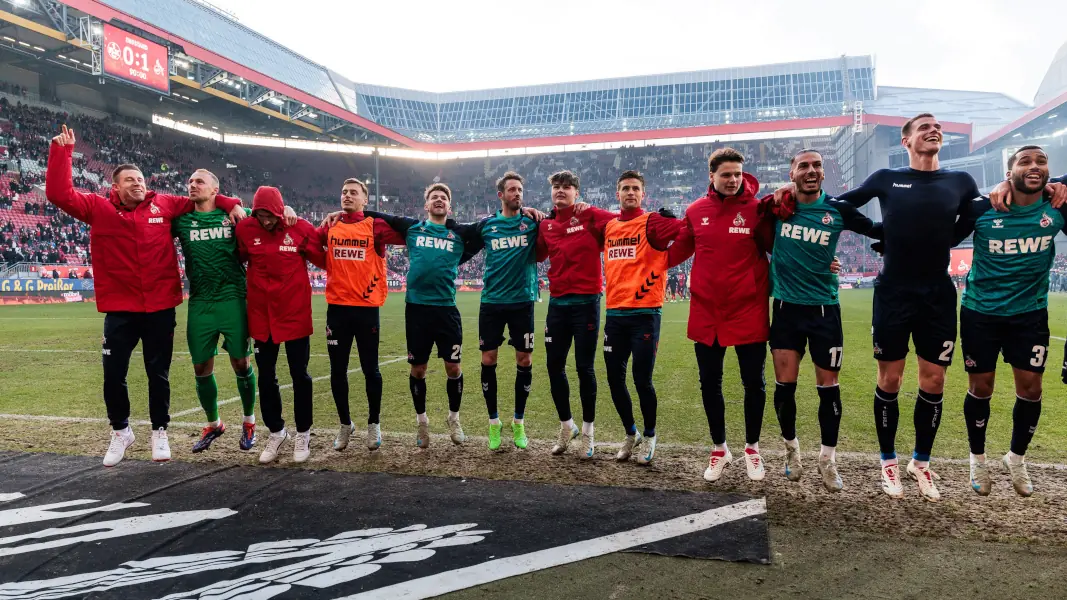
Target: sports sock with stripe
{"x":886,"y":416}
{"x":976,"y":414}
{"x":927,"y":420}
{"x":246,"y":387}
{"x":523,"y":381}
{"x":207,"y":391}
{"x":785,"y":406}
{"x":489,"y":389}
{"x":1024,"y":418}
{"x":454,"y":387}
{"x":829,"y":414}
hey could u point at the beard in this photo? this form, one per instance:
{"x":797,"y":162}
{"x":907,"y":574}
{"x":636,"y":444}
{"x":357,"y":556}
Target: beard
{"x":1020,"y":183}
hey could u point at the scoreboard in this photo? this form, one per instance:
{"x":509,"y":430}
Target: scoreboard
{"x":135,"y":60}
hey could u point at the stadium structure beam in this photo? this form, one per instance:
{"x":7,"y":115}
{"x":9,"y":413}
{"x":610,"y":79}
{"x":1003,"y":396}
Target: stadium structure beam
{"x":218,"y":76}
{"x":57,"y":13}
{"x":267,"y":95}
{"x":303,"y":112}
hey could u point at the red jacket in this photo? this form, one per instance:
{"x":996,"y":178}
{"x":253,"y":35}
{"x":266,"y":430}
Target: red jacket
{"x":134,"y":260}
{"x":730,"y":281}
{"x":572,"y":243}
{"x":279,"y":292}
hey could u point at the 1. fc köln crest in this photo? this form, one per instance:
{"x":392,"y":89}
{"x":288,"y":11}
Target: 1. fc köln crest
{"x":739,"y":221}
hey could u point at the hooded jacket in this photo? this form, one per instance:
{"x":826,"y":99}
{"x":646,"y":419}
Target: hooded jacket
{"x":572,"y":244}
{"x":729,"y":238}
{"x":133,"y":254}
{"x":279,"y":292}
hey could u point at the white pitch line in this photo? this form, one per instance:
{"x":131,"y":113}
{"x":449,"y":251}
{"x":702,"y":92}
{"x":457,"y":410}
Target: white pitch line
{"x":197,"y":409}
{"x":503,"y":568}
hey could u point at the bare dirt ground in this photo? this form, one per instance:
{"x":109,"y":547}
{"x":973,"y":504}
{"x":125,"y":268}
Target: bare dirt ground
{"x":855,"y":544}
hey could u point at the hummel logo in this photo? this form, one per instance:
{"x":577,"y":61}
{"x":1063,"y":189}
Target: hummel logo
{"x":902,"y":185}
{"x":526,"y":389}
{"x":979,"y":423}
{"x":548,"y":340}
{"x":704,"y":221}
{"x":607,"y":348}
{"x":998,"y":223}
{"x":485,"y":387}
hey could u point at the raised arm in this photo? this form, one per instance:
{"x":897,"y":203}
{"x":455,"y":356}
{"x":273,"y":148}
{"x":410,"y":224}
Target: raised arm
{"x":59,"y":180}
{"x":867,"y":191}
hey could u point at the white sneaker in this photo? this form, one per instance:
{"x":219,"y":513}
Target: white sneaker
{"x":422,"y":435}
{"x":160,"y":446}
{"x":455,"y":431}
{"x":302,"y":446}
{"x":891,"y":484}
{"x":628,"y":446}
{"x":980,"y":480}
{"x":588,"y":446}
{"x":831,"y":480}
{"x":717,"y":464}
{"x":343,"y":434}
{"x":564,"y":438}
{"x":374,"y":436}
{"x":274,"y":445}
{"x":120,"y":440}
{"x":646,"y":450}
{"x":754,"y":465}
{"x":1020,"y":478}
{"x":925,"y":478}
{"x":793,"y":467}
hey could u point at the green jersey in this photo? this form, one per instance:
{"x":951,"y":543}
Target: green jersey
{"x":1013,"y":253}
{"x":804,"y":247}
{"x":510,"y":245}
{"x":434,"y":253}
{"x":210,"y":249}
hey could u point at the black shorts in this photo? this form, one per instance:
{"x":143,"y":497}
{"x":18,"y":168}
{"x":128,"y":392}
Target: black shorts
{"x":428,"y":325}
{"x":519,"y":319}
{"x":794,"y":326}
{"x":1023,"y":339}
{"x":672,"y":285}
{"x":925,"y":312}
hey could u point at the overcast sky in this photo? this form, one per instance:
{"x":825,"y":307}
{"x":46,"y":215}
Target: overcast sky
{"x":988,"y":45}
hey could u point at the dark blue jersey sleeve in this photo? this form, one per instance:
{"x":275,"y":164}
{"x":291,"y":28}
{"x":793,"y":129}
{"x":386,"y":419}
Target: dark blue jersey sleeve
{"x":867,"y":191}
{"x":852,"y":218}
{"x":968,"y":217}
{"x":399,"y":224}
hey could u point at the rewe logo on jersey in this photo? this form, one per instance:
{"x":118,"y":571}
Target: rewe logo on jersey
{"x":807,"y":234}
{"x":425,"y":241}
{"x":624,"y":248}
{"x":575,"y":228}
{"x":739,"y":227}
{"x":515,"y":241}
{"x":902,"y":185}
{"x":214,"y":233}
{"x":1020,"y":245}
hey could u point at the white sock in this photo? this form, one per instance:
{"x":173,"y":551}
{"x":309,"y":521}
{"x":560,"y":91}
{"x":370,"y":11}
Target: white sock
{"x":452,"y":416}
{"x":569,"y":423}
{"x":793,"y":443}
{"x":720,"y":447}
{"x":494,"y":421}
{"x":887,"y":462}
{"x":250,"y":419}
{"x":422,"y":418}
{"x":922,"y":464}
{"x":977,"y":458}
{"x":1015,"y":459}
{"x":829,"y":452}
{"x":519,"y":421}
{"x":754,"y":447}
{"x":587,"y":428}
{"x":215,"y":423}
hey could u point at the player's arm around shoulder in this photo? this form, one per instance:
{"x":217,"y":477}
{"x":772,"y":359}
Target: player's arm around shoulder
{"x":662,"y":230}
{"x":968,"y":218}
{"x":684,"y":243}
{"x":398,"y":224}
{"x":853,"y":220}
{"x":870,"y":189}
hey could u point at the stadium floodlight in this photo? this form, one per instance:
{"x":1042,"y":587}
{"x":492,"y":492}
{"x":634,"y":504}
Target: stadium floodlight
{"x":1052,"y":116}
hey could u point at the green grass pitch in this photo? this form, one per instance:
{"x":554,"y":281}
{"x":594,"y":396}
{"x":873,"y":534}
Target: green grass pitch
{"x":50,"y":365}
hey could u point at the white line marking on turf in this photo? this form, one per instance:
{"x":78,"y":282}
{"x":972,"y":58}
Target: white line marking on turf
{"x":502,"y":568}
{"x":197,"y":409}
{"x":10,"y":497}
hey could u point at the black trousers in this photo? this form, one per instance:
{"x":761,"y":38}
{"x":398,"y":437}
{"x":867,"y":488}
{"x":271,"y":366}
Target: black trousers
{"x":122,"y":331}
{"x":298,"y":352}
{"x":343,"y":324}
{"x":578,"y":324}
{"x":637,"y":335}
{"x":751,"y":359}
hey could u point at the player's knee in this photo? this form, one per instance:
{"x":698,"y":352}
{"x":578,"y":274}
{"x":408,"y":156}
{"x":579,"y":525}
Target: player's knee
{"x":489,"y":357}
{"x":825,"y":378}
{"x":523,"y":359}
{"x":418,"y":371}
{"x":204,"y":369}
{"x":1030,"y":389}
{"x":241,"y":366}
{"x":932,"y":381}
{"x":890,"y":381}
{"x":980,"y":385}
{"x":453,"y":370}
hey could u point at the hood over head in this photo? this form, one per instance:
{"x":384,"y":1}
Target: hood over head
{"x":269,"y":199}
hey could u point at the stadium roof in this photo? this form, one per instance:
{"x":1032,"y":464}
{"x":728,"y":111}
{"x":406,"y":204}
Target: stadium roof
{"x":211,"y":48}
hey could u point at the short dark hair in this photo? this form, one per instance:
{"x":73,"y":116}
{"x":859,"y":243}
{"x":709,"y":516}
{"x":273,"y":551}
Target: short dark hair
{"x":724,"y":155}
{"x":503,"y":181}
{"x":631,"y":174}
{"x":437,"y":187}
{"x":565,"y":178}
{"x":124,"y":167}
{"x":362,"y":185}
{"x":793,"y":160}
{"x":1015,"y":155}
{"x":906,"y":129}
